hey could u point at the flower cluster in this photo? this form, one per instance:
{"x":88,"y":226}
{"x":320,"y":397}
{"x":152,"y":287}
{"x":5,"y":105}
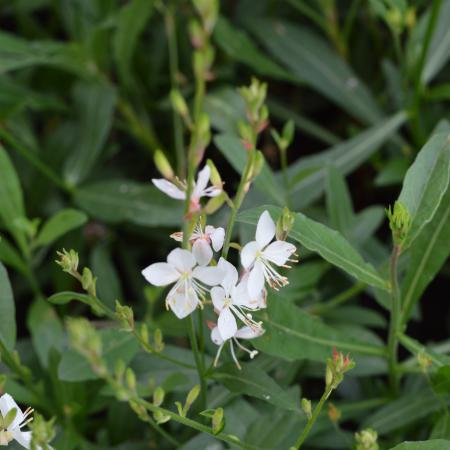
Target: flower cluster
{"x":197,"y":277}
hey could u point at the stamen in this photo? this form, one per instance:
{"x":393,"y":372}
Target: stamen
{"x":216,"y":359}
{"x":234,"y":356}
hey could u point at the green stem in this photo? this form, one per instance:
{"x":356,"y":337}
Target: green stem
{"x":310,"y":13}
{"x":198,"y":362}
{"x":173,"y":67}
{"x":33,"y":158}
{"x":237,"y":203}
{"x":339,"y":299}
{"x":312,"y":420}
{"x":416,"y":123}
{"x":198,"y":426}
{"x":395,"y":320}
{"x":284,"y":169}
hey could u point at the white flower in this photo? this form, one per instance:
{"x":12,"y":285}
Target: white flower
{"x":13,"y":431}
{"x":202,"y":241}
{"x":199,"y":189}
{"x":189,"y":280}
{"x":230,"y":301}
{"x":243,"y":333}
{"x":258,"y":256}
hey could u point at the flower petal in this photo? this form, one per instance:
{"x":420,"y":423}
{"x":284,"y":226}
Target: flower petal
{"x":160,"y":274}
{"x":22,"y":437}
{"x":6,"y":404}
{"x":265,"y":230}
{"x":248,"y":254}
{"x":202,"y":181}
{"x":217,"y":236}
{"x":249,"y":333}
{"x":227,"y":324}
{"x":212,"y":191}
{"x":216,"y":337}
{"x":212,"y":276}
{"x":183,"y":302}
{"x":279,"y":252}
{"x":169,"y":188}
{"x":231,"y":275}
{"x":182,"y":260}
{"x":218,"y":297}
{"x":255,"y":282}
{"x":241,"y":297}
{"x":202,"y":252}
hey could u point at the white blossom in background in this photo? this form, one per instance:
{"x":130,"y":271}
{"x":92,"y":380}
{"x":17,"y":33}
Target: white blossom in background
{"x":199,"y":190}
{"x":202,"y":241}
{"x":258,"y":257}
{"x":190,"y":280}
{"x":246,"y":333}
{"x":14,"y":430}
{"x":232,"y":300}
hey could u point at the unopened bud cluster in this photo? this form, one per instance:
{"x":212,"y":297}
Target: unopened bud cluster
{"x":336,"y":368}
{"x":367,"y":440}
{"x":399,"y":222}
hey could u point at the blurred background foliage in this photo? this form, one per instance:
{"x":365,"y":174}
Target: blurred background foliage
{"x":85,"y":102}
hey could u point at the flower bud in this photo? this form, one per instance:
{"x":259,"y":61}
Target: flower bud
{"x":367,"y":440}
{"x":424,"y":362}
{"x":399,"y":222}
{"x":285,"y":224}
{"x":158,"y":396}
{"x":191,"y":397}
{"x":125,"y":315}
{"x":158,"y":340}
{"x":178,"y":103}
{"x":306,"y":406}
{"x":43,"y":431}
{"x":288,"y":132}
{"x":333,"y":413}
{"x":197,"y":34}
{"x":208,"y":11}
{"x":88,"y":281}
{"x":163,"y":165}
{"x":130,"y":378}
{"x":68,"y":260}
{"x":258,"y":164}
{"x":218,"y":421}
{"x":215,"y":203}
{"x":160,"y":417}
{"x":215,"y":177}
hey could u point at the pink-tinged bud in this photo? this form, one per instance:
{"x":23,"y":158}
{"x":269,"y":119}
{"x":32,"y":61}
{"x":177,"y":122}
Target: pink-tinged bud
{"x":262,"y":126}
{"x":335,"y":355}
{"x":247,"y":145}
{"x":211,"y":325}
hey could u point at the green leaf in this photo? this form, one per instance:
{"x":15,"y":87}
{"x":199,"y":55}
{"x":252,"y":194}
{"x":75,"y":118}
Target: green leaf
{"x":232,"y":148}
{"x":309,"y":57}
{"x":60,"y":224}
{"x":434,"y":444}
{"x":116,"y":201}
{"x":7,"y":311}
{"x":11,"y":198}
{"x":62,"y":298}
{"x":46,"y":330}
{"x":328,"y":243}
{"x":427,"y":255}
{"x":292,"y":334}
{"x":439,"y":51}
{"x":426,"y":182}
{"x":339,"y":202}
{"x":95,"y":103}
{"x":116,"y":345}
{"x":345,"y":156}
{"x":239,"y":46}
{"x":131,"y":22}
{"x":410,"y":408}
{"x":256,"y":383}
{"x":108,"y":282}
{"x":11,"y":257}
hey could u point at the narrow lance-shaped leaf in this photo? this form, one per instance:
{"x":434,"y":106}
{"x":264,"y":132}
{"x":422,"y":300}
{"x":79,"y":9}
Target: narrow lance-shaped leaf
{"x":95,"y":104}
{"x":292,"y":334}
{"x":426,"y":182}
{"x":310,"y":58}
{"x":59,"y":224}
{"x":427,"y":255}
{"x":346,"y":157}
{"x":11,"y":199}
{"x":7,"y":311}
{"x":434,"y":444}
{"x":254,"y":382}
{"x":331,"y":245}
